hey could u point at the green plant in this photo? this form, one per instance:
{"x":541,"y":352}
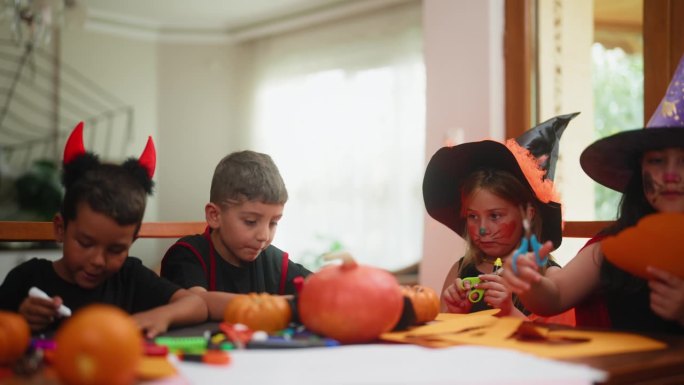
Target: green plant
{"x":39,"y":191}
{"x":618,"y":103}
{"x":313,"y":259}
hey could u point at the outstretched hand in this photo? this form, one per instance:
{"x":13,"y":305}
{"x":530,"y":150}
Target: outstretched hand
{"x":527,"y":270}
{"x":152,"y":322}
{"x":667,"y":295}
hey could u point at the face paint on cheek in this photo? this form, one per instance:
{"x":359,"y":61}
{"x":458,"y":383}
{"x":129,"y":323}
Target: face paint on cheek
{"x":506,"y":230}
{"x":473,"y":230}
{"x":648,"y":183}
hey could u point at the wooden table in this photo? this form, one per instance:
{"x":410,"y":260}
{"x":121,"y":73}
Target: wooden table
{"x":653,"y":367}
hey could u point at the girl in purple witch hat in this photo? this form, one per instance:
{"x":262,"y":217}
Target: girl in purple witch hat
{"x":647,"y":166}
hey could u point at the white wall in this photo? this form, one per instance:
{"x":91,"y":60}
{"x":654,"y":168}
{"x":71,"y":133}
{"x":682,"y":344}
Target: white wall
{"x":464,"y":65}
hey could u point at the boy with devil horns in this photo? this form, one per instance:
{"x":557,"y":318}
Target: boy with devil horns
{"x":99,"y":219}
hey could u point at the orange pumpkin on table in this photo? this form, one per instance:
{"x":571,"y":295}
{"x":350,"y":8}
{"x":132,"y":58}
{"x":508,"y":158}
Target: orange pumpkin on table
{"x":15,"y":336}
{"x":100,"y":344}
{"x":424,"y":300}
{"x":259,"y":311}
{"x":351,"y":303}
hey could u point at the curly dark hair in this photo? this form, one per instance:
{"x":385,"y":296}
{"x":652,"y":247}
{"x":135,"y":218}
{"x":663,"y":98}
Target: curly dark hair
{"x":118,"y":191}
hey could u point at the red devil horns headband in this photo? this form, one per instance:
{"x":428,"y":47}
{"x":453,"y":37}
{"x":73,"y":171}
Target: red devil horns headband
{"x":74,"y":145}
{"x":148,"y":158}
{"x":75,"y":148}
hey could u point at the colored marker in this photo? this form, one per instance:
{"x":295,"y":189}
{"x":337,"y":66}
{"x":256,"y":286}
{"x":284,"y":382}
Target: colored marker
{"x":212,"y":357}
{"x":497,"y":266}
{"x":291,"y":343}
{"x":37,"y":293}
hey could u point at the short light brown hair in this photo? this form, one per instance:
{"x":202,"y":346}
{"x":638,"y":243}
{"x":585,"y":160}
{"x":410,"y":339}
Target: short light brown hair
{"x":247,"y":176}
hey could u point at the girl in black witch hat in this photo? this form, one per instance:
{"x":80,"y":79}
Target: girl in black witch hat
{"x":484,"y":191}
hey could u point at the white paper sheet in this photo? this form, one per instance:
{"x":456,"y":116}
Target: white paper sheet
{"x":389,"y":364}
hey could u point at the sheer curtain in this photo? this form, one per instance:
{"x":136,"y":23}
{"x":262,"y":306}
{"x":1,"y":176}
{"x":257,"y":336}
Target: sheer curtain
{"x":341,"y":109}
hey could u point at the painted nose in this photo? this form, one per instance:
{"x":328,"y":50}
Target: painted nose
{"x":672,"y":177}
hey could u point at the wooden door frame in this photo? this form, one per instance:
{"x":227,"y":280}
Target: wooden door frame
{"x":663,"y":34}
{"x":663,"y":48}
{"x":520,"y":51}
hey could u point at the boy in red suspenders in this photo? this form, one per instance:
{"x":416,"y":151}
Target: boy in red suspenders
{"x":235,"y":255}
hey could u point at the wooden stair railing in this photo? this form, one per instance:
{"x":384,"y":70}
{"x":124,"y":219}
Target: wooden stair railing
{"x":43,"y":231}
{"x":584,"y":229}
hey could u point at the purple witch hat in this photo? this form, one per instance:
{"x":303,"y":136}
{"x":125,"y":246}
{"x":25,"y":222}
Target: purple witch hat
{"x":611,"y":161}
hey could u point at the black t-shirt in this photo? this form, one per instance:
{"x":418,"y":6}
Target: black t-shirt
{"x":629,"y":304}
{"x":134,"y":288}
{"x":192,"y":261}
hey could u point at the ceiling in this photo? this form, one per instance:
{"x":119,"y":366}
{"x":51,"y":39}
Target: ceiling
{"x":221,"y":20}
{"x":243,"y":19}
{"x":204,"y":14}
{"x":235,"y":14}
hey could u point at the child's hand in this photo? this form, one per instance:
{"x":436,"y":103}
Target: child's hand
{"x":456,"y":299}
{"x":152,"y":322}
{"x":667,"y":295}
{"x":40,"y":312}
{"x":497,"y":294}
{"x":528,"y":270}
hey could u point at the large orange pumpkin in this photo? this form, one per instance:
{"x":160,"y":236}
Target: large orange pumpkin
{"x":424,"y":300}
{"x":351,"y":303}
{"x":259,"y":311}
{"x":100,"y":344}
{"x":15,"y":336}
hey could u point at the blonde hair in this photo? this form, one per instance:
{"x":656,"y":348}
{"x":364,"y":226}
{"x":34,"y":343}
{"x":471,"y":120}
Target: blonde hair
{"x":505,"y":186}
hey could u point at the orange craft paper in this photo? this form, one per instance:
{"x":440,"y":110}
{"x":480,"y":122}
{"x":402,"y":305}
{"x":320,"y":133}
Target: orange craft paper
{"x":487,"y":330}
{"x":655,"y":241}
{"x":152,"y":368}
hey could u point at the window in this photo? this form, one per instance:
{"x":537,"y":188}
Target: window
{"x":598,"y":72}
{"x":341,"y":110}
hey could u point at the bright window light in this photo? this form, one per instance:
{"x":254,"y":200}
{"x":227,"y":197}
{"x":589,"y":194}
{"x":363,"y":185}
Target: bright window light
{"x":350,"y":145}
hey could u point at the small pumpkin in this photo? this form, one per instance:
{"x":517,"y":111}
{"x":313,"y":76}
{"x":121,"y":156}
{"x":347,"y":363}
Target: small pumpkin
{"x":259,"y":311}
{"x":424,"y":300}
{"x":100,"y":344}
{"x":349,"y":302}
{"x":15,"y":336}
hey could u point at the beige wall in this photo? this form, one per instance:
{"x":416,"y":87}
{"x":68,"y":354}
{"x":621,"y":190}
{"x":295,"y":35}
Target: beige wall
{"x":565,"y":86}
{"x":464,"y":65}
{"x":127,"y":69}
{"x":197,"y":116}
